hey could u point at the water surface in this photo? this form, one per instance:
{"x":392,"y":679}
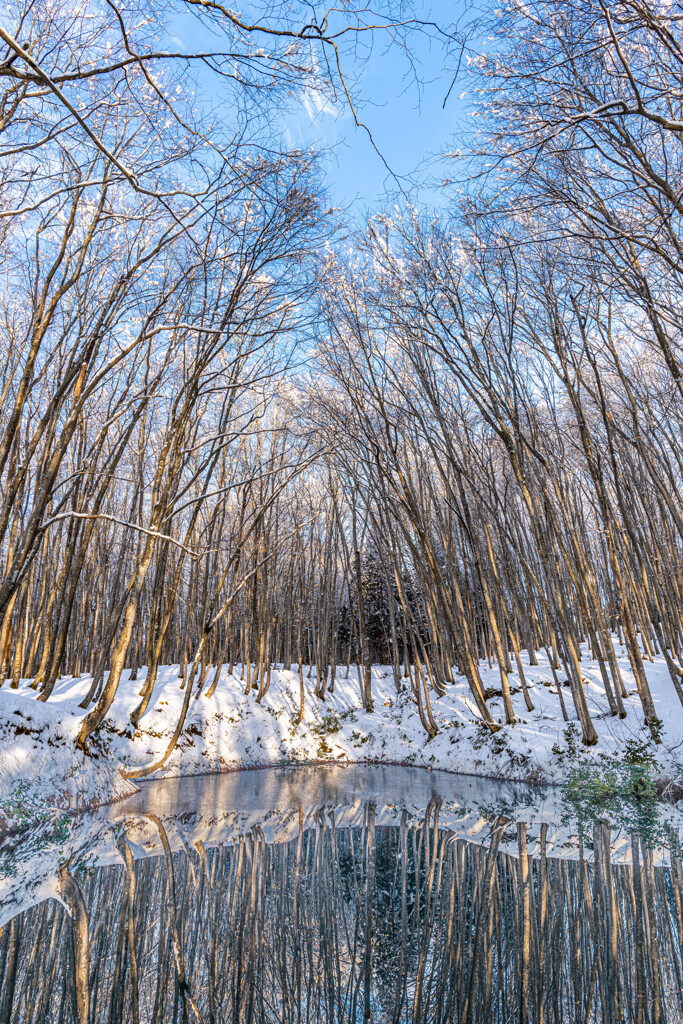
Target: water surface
{"x":353,"y":894}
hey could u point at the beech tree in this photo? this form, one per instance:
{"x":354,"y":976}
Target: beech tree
{"x":226,"y":440}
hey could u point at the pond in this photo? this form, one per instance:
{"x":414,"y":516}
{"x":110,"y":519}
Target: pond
{"x":364,"y":894}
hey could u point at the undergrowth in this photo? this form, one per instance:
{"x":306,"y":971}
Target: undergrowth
{"x":620,"y":790}
{"x":29,"y":824}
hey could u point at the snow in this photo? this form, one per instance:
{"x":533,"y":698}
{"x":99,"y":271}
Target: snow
{"x":230,"y":730}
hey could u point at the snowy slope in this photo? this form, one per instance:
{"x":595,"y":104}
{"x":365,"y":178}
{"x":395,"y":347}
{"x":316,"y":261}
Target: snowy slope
{"x":38,"y":761}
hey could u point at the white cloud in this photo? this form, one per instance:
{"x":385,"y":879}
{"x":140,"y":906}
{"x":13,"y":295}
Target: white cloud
{"x":316,"y":103}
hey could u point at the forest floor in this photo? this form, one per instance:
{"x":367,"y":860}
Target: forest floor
{"x":39,"y":764}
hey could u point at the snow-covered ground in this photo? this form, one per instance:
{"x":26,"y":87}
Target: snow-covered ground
{"x":39,"y":763}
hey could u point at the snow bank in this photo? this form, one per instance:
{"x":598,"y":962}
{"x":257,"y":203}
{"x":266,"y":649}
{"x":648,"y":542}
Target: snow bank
{"x":38,"y":760}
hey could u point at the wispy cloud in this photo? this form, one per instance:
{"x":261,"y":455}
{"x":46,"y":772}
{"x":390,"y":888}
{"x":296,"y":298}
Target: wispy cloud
{"x":315,"y":103}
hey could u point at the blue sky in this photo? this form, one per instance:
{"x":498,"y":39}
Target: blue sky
{"x":409,"y":123}
{"x":402,"y":106}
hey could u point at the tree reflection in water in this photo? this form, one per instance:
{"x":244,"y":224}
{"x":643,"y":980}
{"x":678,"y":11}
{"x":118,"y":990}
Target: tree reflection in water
{"x":372,"y":923}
